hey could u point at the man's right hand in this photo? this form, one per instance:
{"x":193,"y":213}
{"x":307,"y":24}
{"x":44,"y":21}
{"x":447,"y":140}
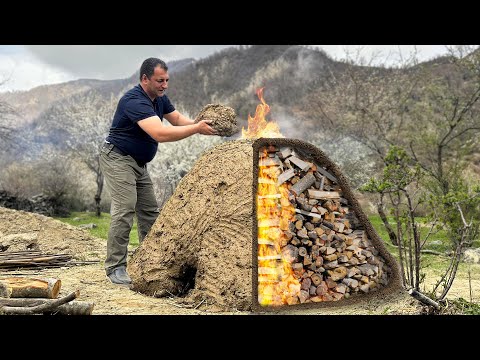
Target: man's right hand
{"x":204,"y":128}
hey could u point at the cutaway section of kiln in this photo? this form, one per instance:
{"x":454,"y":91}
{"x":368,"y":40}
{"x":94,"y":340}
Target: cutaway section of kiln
{"x":314,"y":244}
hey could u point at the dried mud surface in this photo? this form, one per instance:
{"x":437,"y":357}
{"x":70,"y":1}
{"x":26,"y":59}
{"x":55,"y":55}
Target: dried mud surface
{"x":19,"y":229}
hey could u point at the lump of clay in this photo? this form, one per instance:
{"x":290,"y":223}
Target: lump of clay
{"x":223,"y":118}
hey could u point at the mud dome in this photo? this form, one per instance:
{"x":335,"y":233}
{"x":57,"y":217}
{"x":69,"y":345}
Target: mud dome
{"x":200,"y":248}
{"x":201,"y":244}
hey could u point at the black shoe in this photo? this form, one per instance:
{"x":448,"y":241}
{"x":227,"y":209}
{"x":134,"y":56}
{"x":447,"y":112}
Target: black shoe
{"x":120,"y":276}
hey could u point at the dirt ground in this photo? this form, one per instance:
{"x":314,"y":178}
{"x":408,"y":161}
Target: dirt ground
{"x":21,"y":230}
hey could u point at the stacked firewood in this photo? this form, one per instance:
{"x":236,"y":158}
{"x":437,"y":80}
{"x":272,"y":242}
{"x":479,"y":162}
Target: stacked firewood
{"x":27,"y":296}
{"x":329,"y":252}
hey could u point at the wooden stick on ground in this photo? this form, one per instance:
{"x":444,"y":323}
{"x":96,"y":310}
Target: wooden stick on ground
{"x":47,"y":307}
{"x":71,"y":308}
{"x":423,"y":299}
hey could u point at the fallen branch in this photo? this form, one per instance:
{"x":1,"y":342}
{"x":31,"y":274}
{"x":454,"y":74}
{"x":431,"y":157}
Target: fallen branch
{"x":423,"y":299}
{"x":46,"y":307}
{"x":71,"y":308}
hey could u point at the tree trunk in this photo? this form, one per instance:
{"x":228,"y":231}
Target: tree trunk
{"x":32,"y":287}
{"x":98,"y":195}
{"x":383,"y":216}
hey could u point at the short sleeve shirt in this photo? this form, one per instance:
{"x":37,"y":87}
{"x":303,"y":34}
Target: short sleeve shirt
{"x":125,"y":133}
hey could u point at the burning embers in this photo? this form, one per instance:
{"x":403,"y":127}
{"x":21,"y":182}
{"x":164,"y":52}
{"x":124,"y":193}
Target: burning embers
{"x":311,"y":246}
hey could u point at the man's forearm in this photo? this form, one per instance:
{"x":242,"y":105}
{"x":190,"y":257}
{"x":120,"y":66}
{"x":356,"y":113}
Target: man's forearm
{"x":174,"y":133}
{"x":183,"y":120}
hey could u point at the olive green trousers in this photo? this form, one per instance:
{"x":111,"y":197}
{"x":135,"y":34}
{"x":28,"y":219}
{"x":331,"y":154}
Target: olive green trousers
{"x":132,"y":193}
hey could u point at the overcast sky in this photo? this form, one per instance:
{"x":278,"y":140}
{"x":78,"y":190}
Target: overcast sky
{"x":23,"y":67}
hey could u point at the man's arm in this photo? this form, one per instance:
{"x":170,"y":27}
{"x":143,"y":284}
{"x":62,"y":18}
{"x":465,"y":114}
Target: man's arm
{"x":153,"y":126}
{"x":177,"y":119}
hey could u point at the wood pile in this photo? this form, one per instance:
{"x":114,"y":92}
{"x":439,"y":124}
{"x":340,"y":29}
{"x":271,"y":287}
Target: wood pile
{"x":27,"y":296}
{"x":328,"y":251}
{"x":32,"y":258}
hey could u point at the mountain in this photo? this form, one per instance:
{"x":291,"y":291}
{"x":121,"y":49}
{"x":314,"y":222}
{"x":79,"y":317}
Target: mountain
{"x":293,"y":78}
{"x":32,"y":103}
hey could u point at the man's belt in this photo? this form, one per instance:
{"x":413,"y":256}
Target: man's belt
{"x":118,"y":151}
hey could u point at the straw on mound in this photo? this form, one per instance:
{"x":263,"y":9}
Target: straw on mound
{"x":223,"y":118}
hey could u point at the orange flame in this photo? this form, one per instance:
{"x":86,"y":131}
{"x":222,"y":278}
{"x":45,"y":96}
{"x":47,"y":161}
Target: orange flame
{"x":277,"y":283}
{"x":258,"y":126}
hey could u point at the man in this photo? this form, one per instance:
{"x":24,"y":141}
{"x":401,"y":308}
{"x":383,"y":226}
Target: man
{"x":132,"y":142}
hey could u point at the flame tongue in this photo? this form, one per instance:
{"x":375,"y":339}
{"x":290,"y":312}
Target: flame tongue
{"x":277,"y":284}
{"x":258,"y":126}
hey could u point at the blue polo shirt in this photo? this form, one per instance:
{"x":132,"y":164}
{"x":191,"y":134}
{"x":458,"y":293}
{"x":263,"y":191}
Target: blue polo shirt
{"x":125,"y":133}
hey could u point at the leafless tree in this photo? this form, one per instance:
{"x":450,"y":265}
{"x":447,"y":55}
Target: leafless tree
{"x":7,"y":114}
{"x":87,"y":123}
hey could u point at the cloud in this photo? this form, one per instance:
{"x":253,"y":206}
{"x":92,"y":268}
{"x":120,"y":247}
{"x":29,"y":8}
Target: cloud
{"x":387,"y":54}
{"x":27,"y":66}
{"x":106,"y":62}
{"x":20,"y":70}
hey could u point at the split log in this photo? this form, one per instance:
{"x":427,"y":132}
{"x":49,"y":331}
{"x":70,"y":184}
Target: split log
{"x":46,"y":307}
{"x":285,"y":152}
{"x":302,"y":185}
{"x":33,"y":287}
{"x":285,"y":176}
{"x":321,"y":195}
{"x":302,"y":165}
{"x":270,"y":162}
{"x":308,"y":213}
{"x":329,"y":176}
{"x":70,"y":308}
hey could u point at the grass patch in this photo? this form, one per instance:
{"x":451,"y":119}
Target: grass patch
{"x":437,"y":241}
{"x":102,"y":222}
{"x":465,"y":307}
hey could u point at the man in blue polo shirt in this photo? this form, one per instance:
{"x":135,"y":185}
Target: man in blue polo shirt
{"x":131,"y":143}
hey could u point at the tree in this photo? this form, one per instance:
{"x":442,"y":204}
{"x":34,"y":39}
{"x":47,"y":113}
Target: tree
{"x":401,"y":183}
{"x":87,"y":123}
{"x":420,"y":116}
{"x":7,"y":114}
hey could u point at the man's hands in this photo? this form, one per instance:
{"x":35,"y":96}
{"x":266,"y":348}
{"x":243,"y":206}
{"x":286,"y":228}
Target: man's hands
{"x":205,"y":129}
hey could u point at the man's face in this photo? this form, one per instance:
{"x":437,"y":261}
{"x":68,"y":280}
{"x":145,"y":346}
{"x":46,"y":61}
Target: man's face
{"x":157,"y":84}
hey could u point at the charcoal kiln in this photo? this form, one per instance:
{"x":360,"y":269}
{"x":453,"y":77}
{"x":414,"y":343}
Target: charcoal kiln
{"x":261,"y":225}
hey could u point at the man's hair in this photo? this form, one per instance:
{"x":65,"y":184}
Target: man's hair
{"x":149,"y":65}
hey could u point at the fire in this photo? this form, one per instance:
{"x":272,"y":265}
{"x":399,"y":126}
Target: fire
{"x":258,"y":126}
{"x":277,"y":283}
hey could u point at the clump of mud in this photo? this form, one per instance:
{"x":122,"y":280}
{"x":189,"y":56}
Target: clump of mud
{"x":223,"y":118}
